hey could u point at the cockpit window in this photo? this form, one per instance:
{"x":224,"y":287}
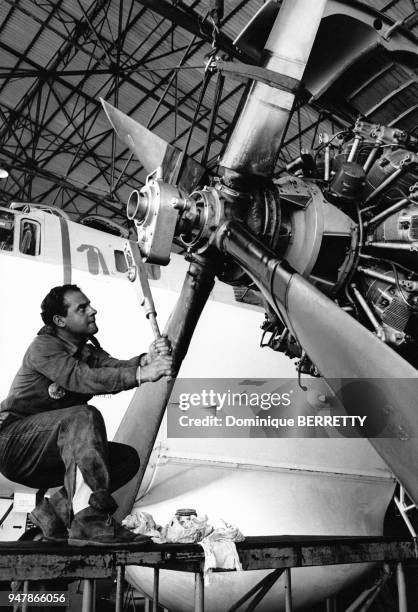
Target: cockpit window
{"x":6,"y":231}
{"x":29,"y":243}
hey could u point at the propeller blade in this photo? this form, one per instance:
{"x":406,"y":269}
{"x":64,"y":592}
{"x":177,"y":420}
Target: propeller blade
{"x":154,"y":152}
{"x":141,"y":422}
{"x":253,"y":37}
{"x":377,"y":382}
{"x":259,"y":127}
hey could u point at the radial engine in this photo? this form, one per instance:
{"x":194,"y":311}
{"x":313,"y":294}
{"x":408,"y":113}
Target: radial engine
{"x":344,"y":215}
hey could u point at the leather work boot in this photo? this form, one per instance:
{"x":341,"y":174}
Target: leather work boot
{"x":44,"y":517}
{"x":59,"y":503}
{"x":96,"y":527}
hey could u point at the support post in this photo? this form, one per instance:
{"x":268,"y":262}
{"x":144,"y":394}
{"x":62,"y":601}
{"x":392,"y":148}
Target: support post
{"x":331,"y":604}
{"x":288,"y":590}
{"x":120,"y":576}
{"x":400,"y":581}
{"x":89,"y":588}
{"x":25,"y":591}
{"x":199,"y":592}
{"x":147,"y":605}
{"x":155,"y":590}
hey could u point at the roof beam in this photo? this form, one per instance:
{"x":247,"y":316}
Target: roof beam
{"x":59,"y":181}
{"x":62,"y":53}
{"x":190,"y":21}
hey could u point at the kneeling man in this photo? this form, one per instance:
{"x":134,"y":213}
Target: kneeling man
{"x":49,"y":434}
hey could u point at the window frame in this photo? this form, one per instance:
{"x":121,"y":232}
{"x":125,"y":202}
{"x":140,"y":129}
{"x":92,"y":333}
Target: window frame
{"x":37,"y":227}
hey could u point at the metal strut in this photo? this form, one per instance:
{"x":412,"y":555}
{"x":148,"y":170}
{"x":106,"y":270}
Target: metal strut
{"x":404,"y":507}
{"x":258,"y":591}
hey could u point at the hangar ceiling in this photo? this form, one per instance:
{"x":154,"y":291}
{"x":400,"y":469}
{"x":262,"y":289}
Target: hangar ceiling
{"x":147,"y":57}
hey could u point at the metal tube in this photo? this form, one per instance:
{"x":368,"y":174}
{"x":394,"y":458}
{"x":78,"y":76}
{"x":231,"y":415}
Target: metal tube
{"x":400,"y":581}
{"x":147,"y":605}
{"x":120,"y":575}
{"x":262,"y":587}
{"x":155,"y":589}
{"x":354,"y":148}
{"x":363,"y":597}
{"x":371,"y":157}
{"x":400,"y":246}
{"x":199,"y":592}
{"x":88,"y":595}
{"x":331,"y":604}
{"x":378,"y":275}
{"x":369,"y":602}
{"x":265,"y":588}
{"x":367,"y":597}
{"x":366,"y":309}
{"x":327,"y":163}
{"x":25,"y":591}
{"x":154,"y":325}
{"x":145,"y":289}
{"x":386,"y":213}
{"x":6,"y":514}
{"x":288,"y":590}
{"x":383,"y":185}
{"x":403,"y":510}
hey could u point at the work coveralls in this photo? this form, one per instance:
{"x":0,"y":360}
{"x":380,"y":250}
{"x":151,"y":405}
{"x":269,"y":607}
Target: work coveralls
{"x":47,"y":428}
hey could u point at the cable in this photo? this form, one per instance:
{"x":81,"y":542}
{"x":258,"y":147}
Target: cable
{"x":389,"y":262}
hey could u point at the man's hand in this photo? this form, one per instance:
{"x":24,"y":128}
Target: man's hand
{"x":160,"y":347}
{"x":156,"y":368}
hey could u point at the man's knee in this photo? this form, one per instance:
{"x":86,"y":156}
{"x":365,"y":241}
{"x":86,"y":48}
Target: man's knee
{"x":85,"y":415}
{"x":82,"y":425}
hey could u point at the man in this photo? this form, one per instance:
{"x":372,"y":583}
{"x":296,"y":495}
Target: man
{"x":50,"y":435}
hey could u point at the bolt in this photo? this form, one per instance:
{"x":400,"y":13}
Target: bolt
{"x":402,"y":434}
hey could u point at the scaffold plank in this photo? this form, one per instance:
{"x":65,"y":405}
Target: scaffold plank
{"x":45,"y":561}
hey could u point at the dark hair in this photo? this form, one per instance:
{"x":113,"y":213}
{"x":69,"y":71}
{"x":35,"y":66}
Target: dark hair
{"x":54,"y":303}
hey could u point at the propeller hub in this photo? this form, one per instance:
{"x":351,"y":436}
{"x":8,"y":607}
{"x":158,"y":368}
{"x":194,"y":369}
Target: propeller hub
{"x":154,"y":210}
{"x":137,"y":206}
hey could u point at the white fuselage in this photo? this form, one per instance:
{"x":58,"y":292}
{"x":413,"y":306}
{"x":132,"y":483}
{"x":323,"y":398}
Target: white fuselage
{"x":266,"y":486}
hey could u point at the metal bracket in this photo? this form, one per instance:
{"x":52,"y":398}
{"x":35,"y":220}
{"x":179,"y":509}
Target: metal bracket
{"x":130,"y":264}
{"x":256,"y":73}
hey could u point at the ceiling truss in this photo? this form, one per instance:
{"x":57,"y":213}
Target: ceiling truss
{"x":146,"y":57}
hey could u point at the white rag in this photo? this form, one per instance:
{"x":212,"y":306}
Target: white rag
{"x":219,"y":554}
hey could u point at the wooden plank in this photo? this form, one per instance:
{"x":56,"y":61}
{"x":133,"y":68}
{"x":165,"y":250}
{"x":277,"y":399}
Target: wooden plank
{"x":299,"y":555}
{"x":51,"y":566}
{"x":48,"y":565}
{"x":40,"y":561}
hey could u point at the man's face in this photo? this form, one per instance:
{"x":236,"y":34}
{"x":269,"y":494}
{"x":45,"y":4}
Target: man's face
{"x":80,"y":319}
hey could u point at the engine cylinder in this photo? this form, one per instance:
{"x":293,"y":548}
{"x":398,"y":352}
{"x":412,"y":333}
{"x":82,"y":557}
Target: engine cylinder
{"x":383,"y":168}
